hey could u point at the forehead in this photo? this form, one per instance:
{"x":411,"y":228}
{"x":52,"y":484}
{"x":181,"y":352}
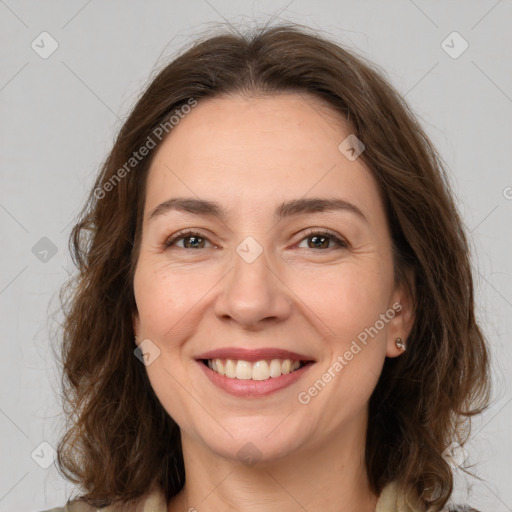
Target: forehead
{"x":258,"y":150}
{"x":279,"y":120}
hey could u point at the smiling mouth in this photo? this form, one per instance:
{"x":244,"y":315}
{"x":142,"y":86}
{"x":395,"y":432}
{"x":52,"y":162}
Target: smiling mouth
{"x":257,"y":370}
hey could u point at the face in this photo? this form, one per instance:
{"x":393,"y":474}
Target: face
{"x":267,"y":315}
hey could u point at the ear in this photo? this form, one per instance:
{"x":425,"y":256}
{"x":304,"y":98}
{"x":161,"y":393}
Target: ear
{"x":403,"y":305}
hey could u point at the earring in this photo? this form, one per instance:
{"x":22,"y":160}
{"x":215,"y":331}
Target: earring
{"x":400,"y":344}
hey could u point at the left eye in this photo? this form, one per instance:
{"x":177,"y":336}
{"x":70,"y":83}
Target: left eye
{"x":321,"y":239}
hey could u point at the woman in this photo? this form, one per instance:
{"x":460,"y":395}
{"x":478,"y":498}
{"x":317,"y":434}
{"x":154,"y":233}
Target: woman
{"x":274,"y":308}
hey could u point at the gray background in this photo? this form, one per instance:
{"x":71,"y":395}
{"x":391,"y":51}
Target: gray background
{"x":59,"y":116}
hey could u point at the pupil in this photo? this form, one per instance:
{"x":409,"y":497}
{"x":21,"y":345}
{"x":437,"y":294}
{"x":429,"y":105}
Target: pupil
{"x":192,"y":238}
{"x":316,"y":238}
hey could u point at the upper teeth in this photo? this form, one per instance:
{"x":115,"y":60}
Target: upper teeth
{"x":260,"y":370}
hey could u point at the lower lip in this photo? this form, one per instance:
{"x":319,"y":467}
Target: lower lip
{"x":248,"y":388}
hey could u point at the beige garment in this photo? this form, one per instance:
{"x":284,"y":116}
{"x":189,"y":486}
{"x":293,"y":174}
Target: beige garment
{"x":393,"y":499}
{"x":390,"y":500}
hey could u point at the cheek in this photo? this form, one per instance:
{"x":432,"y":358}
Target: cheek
{"x":167,"y":297}
{"x":349,"y":302}
{"x":164,"y":297}
{"x":346,"y":298}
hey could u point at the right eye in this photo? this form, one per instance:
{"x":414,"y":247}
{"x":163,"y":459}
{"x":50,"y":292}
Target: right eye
{"x":192,"y":240}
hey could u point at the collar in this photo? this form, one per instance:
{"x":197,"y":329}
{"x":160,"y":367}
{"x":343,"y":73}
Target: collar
{"x":391,"y":499}
{"x":394,"y":499}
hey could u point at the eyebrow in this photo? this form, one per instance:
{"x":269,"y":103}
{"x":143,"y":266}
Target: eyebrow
{"x":286,"y":209}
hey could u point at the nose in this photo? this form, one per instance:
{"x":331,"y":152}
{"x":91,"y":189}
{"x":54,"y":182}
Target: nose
{"x":253,"y":294}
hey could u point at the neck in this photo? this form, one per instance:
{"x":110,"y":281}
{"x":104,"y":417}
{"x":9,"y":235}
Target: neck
{"x":329,"y":477}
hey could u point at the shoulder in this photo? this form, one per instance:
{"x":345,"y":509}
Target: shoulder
{"x":73,"y":506}
{"x":394,"y":499}
{"x":462,"y":508}
{"x":151,"y":502}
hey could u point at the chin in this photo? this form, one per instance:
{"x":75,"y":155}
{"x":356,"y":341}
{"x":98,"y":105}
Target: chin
{"x":255,"y":440}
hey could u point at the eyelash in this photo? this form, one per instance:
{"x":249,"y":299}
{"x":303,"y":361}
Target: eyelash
{"x":342,"y":244}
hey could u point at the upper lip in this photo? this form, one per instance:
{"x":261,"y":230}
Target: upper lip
{"x":253,"y":355}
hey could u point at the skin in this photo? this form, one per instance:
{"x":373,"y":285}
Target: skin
{"x":250,"y":155}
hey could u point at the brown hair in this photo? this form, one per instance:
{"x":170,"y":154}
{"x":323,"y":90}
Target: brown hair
{"x":120,"y":443}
